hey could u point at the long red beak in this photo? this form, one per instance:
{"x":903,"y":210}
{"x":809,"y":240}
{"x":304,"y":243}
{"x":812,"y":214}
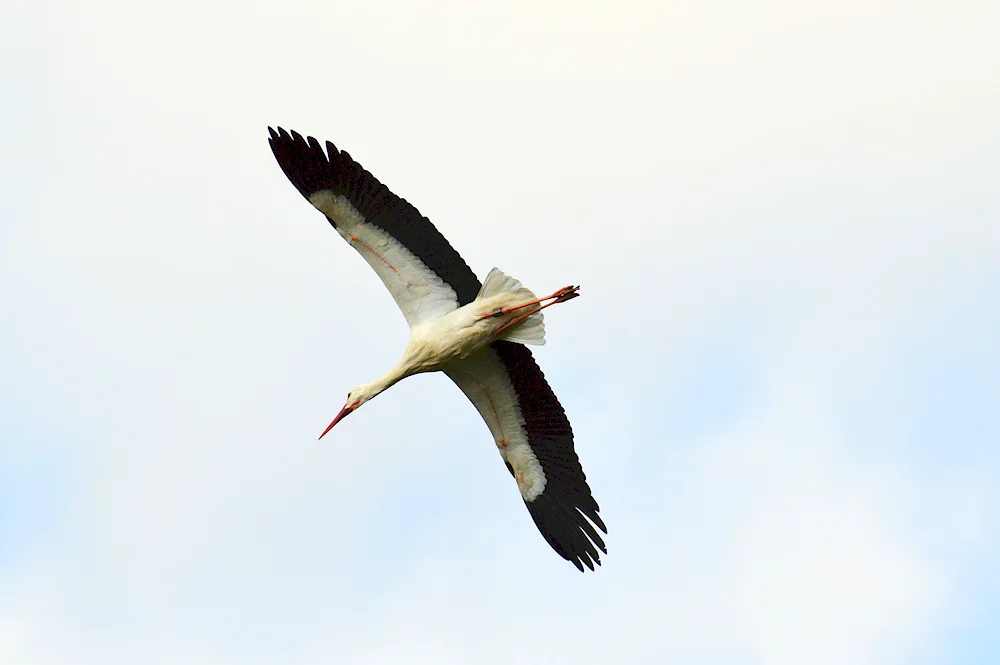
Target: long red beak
{"x":340,"y":416}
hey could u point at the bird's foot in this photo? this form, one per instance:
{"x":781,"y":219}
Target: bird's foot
{"x":564,"y":294}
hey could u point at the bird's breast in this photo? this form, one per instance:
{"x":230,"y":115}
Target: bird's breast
{"x":454,"y":336}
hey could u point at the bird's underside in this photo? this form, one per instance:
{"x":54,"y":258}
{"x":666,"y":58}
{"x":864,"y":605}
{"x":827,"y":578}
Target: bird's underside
{"x":446,"y":307}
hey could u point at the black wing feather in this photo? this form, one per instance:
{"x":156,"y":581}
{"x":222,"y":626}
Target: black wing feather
{"x":311,"y":169}
{"x":561,"y":511}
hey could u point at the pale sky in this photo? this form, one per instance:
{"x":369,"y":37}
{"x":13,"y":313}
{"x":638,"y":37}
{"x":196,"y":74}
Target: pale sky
{"x":783,"y":372}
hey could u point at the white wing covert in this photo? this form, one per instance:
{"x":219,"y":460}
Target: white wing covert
{"x":535,"y":440}
{"x":425,"y":276}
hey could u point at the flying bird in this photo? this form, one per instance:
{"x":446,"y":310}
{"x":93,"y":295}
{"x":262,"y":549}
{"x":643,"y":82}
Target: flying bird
{"x":475,"y":333}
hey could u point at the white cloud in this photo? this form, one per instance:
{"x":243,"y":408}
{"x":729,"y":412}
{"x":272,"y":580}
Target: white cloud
{"x":17,"y":642}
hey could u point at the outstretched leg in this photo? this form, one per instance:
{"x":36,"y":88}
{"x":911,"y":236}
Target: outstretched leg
{"x":562,"y":295}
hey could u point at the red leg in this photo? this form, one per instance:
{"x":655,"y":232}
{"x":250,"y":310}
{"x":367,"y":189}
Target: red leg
{"x":562,"y":295}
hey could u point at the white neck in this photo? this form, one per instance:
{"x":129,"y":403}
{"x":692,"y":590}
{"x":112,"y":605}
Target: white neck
{"x":407,"y":366}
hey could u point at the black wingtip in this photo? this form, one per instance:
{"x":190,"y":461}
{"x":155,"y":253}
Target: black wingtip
{"x":567,"y":531}
{"x":303,"y":161}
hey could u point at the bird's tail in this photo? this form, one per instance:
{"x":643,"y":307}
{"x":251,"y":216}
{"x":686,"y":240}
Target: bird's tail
{"x":532,"y":329}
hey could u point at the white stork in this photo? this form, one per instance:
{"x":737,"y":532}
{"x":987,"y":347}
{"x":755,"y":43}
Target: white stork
{"x":475,"y":333}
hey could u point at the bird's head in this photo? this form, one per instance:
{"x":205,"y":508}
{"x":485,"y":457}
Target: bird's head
{"x":355,"y":399}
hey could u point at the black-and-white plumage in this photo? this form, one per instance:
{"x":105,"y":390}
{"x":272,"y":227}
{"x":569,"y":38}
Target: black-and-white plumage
{"x":473,"y":332}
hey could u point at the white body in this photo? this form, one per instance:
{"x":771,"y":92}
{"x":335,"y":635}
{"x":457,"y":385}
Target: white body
{"x":458,"y":344}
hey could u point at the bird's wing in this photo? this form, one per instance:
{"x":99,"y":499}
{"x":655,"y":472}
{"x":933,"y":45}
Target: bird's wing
{"x":535,"y":440}
{"x":424,"y":274}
